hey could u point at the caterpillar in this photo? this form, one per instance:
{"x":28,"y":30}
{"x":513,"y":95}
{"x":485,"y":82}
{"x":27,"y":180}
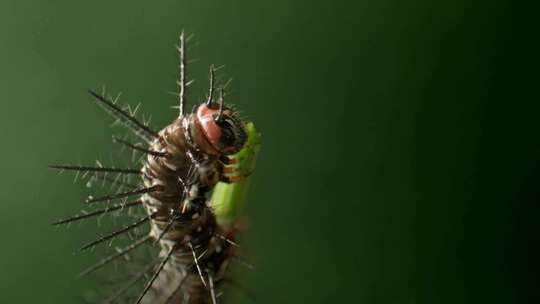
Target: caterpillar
{"x":192,"y":181}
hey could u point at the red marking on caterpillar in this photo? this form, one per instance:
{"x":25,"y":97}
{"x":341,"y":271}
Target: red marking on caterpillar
{"x":184,"y":161}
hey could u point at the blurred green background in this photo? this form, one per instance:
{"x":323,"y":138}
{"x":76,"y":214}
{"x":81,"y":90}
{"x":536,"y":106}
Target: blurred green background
{"x":400,"y":148}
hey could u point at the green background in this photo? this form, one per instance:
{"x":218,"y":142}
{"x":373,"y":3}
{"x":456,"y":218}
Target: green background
{"x":400,"y":148}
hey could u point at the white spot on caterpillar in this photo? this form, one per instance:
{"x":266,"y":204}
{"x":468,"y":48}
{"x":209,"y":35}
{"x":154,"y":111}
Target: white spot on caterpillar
{"x":159,"y":182}
{"x":195,"y":215}
{"x":194,"y":191}
{"x":150,"y":200}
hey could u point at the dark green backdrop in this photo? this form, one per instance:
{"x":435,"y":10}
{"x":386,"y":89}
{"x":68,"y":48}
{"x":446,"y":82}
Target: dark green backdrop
{"x":400,"y":156}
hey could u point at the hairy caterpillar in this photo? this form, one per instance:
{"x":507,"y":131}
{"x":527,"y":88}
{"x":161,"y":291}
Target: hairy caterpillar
{"x":192,"y":225}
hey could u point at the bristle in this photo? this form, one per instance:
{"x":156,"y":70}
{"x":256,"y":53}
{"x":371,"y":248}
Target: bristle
{"x":134,"y":147}
{"x":116,"y":233}
{"x":211,"y":87}
{"x":182,"y":81}
{"x":149,"y":284}
{"x":108,"y":259}
{"x":98,"y":212}
{"x":190,"y":82}
{"x":212,"y":291}
{"x":196,"y":260}
{"x":95,"y":169}
{"x":123,"y":194}
{"x":226,"y":239}
{"x":165,"y":230}
{"x":127,"y":120}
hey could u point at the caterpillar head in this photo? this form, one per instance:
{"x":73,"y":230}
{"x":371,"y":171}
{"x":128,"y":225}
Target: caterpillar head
{"x":221,"y":127}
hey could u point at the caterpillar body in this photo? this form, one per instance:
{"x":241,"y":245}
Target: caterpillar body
{"x":184,"y":162}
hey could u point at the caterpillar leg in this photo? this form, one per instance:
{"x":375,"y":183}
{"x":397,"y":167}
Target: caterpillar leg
{"x":238,"y":167}
{"x":234,"y":174}
{"x":232,"y":179}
